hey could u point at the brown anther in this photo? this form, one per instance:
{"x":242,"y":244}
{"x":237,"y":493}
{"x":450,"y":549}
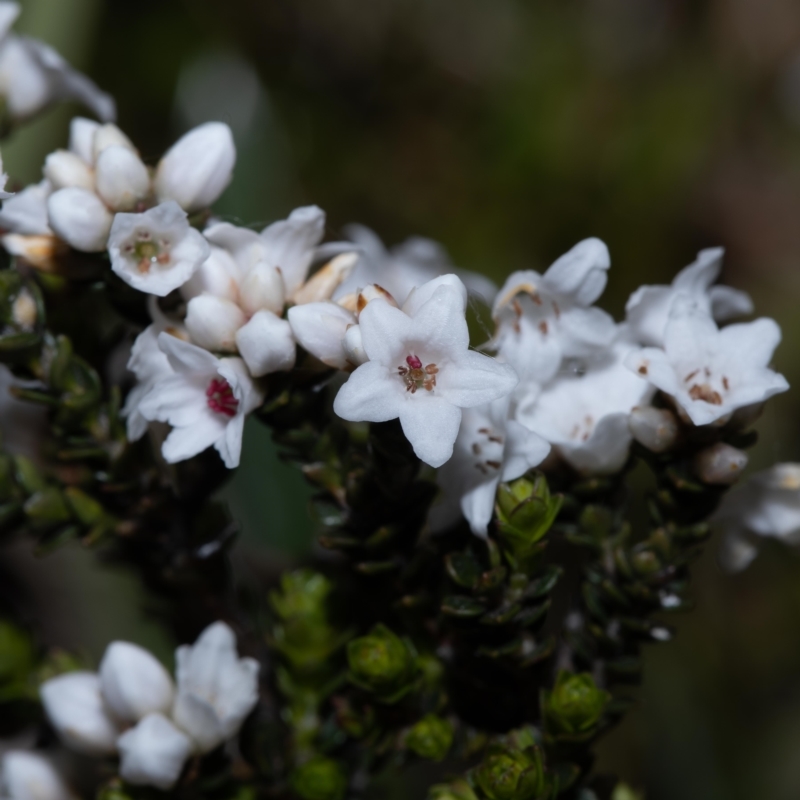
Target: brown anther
{"x":702,"y":391}
{"x":725,"y":383}
{"x":476,"y":448}
{"x":556,"y":310}
{"x":543,"y":327}
{"x":690,"y":376}
{"x":144,"y":265}
{"x":432,"y":369}
{"x":642,"y":370}
{"x":494,"y":464}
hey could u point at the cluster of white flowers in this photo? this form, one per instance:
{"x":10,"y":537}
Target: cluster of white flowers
{"x":131,"y":707}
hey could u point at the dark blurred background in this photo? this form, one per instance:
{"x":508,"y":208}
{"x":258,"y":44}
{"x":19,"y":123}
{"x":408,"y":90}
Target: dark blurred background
{"x":508,"y":130}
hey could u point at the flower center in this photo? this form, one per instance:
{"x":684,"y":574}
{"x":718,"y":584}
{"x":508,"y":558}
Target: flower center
{"x":146,"y":252}
{"x":220,"y":397}
{"x":702,"y":389}
{"x":415,"y":376}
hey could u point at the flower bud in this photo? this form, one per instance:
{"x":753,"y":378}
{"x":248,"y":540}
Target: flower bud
{"x":80,"y":218}
{"x":198,"y":167}
{"x":431,"y":737}
{"x":217,"y":275}
{"x":354,"y":346}
{"x":262,"y":288}
{"x":74,"y":705}
{"x":122,"y":179}
{"x":303,"y":593}
{"x":133,"y":682}
{"x":81,"y":138}
{"x":323,"y":283}
{"x":320,"y":329}
{"x":28,"y":776}
{"x":320,"y":779}
{"x":382,"y":663}
{"x":507,"y":774}
{"x":575,"y":706}
{"x":654,"y":428}
{"x":153,"y":753}
{"x":266,"y":344}
{"x":109,"y":135}
{"x":24,"y":311}
{"x":212,"y":322}
{"x":525,"y":512}
{"x":64,"y":169}
{"x":370,"y":293}
{"x":720,"y":464}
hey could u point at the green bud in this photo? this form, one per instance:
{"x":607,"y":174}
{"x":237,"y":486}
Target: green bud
{"x":320,"y":778}
{"x":574,"y":707}
{"x":457,"y":790}
{"x":525,"y":512}
{"x":303,"y":593}
{"x":382,"y":663}
{"x":507,"y":774}
{"x":624,"y":792}
{"x":113,"y":790}
{"x":431,"y":737}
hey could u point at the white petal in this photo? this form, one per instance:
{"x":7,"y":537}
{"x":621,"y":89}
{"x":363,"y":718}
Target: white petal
{"x":475,"y":379}
{"x":430,"y":425}
{"x":729,"y":303}
{"x":524,"y":451}
{"x":580,"y":274}
{"x":199,"y":719}
{"x":477,"y":505}
{"x":133,"y":682}
{"x":266,"y":344}
{"x":606,"y":450}
{"x":373,"y":393}
{"x":80,"y":218}
{"x":187,"y":442}
{"x":320,"y":328}
{"x":187,"y":358}
{"x":28,"y":776}
{"x":387,"y":333}
{"x":583,"y":331}
{"x":750,"y":344}
{"x":81,"y":137}
{"x":26,"y":211}
{"x":74,"y":705}
{"x":439,"y":323}
{"x":153,"y":753}
{"x":421,"y":294}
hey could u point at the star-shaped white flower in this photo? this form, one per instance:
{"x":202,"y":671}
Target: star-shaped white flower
{"x":421,"y":370}
{"x":205,"y":399}
{"x":711,"y":372}
{"x":648,"y":308}
{"x":490,"y":448}
{"x":542,"y":319}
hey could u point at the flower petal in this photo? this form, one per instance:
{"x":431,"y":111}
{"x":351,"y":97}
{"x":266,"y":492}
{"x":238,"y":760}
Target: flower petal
{"x":372,"y":394}
{"x":475,"y":379}
{"x":431,"y":426}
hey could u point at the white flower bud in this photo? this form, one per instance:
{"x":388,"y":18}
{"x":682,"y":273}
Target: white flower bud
{"x":81,"y":138}
{"x":23,"y":310}
{"x":266,"y":344}
{"x":28,"y":776}
{"x":133,"y":682}
{"x":720,"y":464}
{"x":354,"y":346}
{"x":153,"y":753}
{"x":654,"y":428}
{"x":74,"y":706}
{"x":212,"y":322}
{"x":64,"y":169}
{"x":122,"y":178}
{"x":262,"y":288}
{"x":109,"y":135}
{"x":323,"y":283}
{"x":198,"y":167}
{"x":80,"y":218}
{"x":217,"y":275}
{"x":370,"y":293}
{"x":320,"y":329}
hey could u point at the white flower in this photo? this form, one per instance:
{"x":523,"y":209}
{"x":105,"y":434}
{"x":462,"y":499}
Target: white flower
{"x":133,"y":682}
{"x":490,"y":448}
{"x":320,"y":329}
{"x":26,"y":211}
{"x":74,"y":705}
{"x":768,"y":505}
{"x":216,"y":688}
{"x":156,"y":251}
{"x":205,"y":399}
{"x":711,"y":372}
{"x":647,"y":310}
{"x":33,"y":75}
{"x":585,"y":416}
{"x":421,"y":370}
{"x":198,"y":167}
{"x":153,"y":753}
{"x":542,"y":319}
{"x":80,"y":218}
{"x":29,"y":776}
{"x":403,"y":267}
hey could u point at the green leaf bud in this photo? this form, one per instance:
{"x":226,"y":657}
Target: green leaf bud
{"x":302,"y":593}
{"x":381,"y":662}
{"x":525,"y":512}
{"x":575,"y":705}
{"x":507,"y":774}
{"x":320,"y":778}
{"x":431,"y":737}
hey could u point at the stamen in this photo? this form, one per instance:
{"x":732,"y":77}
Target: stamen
{"x":220,"y":397}
{"x":416,"y":377}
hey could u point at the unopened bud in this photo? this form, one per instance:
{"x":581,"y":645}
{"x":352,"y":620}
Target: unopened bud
{"x":320,"y":779}
{"x":134,"y":682}
{"x":654,"y":428}
{"x":512,"y":775}
{"x":525,"y":512}
{"x":122,"y":178}
{"x":217,"y":275}
{"x":354,"y":346}
{"x":720,"y":464}
{"x":381,"y":662}
{"x":575,"y":706}
{"x":320,"y":329}
{"x":370,"y":293}
{"x":28,"y":776}
{"x":64,"y":169}
{"x":323,"y":283}
{"x":109,"y":135}
{"x":266,"y":344}
{"x":302,"y":593}
{"x":431,"y":737}
{"x":23,"y":310}
{"x":81,"y":138}
{"x":262,"y":289}
{"x":198,"y":167}
{"x":212,"y":322}
{"x":80,"y":218}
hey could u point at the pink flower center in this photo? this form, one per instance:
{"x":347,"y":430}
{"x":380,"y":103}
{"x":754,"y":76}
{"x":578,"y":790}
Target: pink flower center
{"x":220,"y":397}
{"x":416,"y":377}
